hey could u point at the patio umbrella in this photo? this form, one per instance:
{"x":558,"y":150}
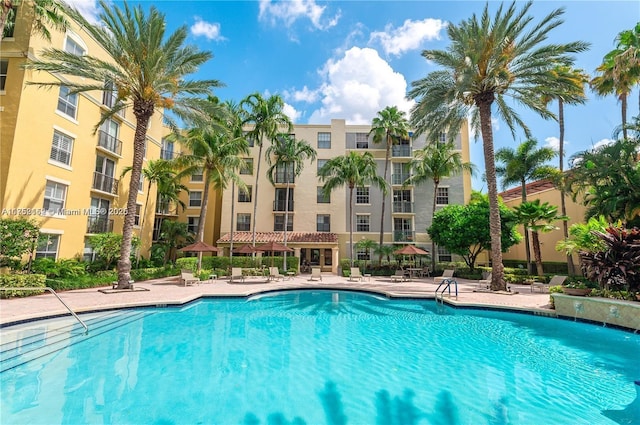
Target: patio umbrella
{"x":245,"y":249}
{"x":199,"y":247}
{"x":411,"y":250}
{"x":273,"y":247}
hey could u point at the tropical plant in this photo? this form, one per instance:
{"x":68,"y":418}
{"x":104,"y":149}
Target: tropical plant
{"x":107,"y":246}
{"x":148,"y":70}
{"x":286,"y":158}
{"x":172,"y":235}
{"x":607,"y":179}
{"x":462,"y":229}
{"x":384,"y":251}
{"x":18,"y":237}
{"x":583,"y":237}
{"x":434,"y":162}
{"x":351,"y":170}
{"x":368,"y":245}
{"x":523,"y":164}
{"x":267,"y":120}
{"x":538,"y":218}
{"x":46,"y":14}
{"x":488,"y":60}
{"x":576,"y":79}
{"x":389,"y":126}
{"x":617,"y":266}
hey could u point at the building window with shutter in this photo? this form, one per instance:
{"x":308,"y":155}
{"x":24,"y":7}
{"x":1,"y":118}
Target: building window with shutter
{"x":61,"y":148}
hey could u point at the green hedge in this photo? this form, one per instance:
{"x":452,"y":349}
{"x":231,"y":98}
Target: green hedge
{"x":21,"y":281}
{"x":222,"y":263}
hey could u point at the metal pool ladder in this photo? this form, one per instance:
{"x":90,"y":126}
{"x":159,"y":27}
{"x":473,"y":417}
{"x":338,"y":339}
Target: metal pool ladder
{"x":46,"y":288}
{"x":446,"y":285}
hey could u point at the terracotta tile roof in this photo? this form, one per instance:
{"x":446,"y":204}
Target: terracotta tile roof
{"x":292,"y":237}
{"x":533,"y":187}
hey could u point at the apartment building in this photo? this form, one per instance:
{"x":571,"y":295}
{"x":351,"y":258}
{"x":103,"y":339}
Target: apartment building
{"x":318,"y":227}
{"x":55,"y":165}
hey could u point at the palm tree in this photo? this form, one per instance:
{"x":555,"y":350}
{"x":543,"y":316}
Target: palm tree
{"x":628,"y":47}
{"x":435,"y":162}
{"x":286,"y":158}
{"x":488,"y":60}
{"x":575,"y":95}
{"x":268,"y":120}
{"x":172,"y":234}
{"x":149,"y":73}
{"x":523,"y":164}
{"x":537,"y":217}
{"x":215,"y":154}
{"x":368,"y":245}
{"x":168,"y":194}
{"x":46,"y":13}
{"x":385,"y":251}
{"x":351,"y":170}
{"x":389,"y":126}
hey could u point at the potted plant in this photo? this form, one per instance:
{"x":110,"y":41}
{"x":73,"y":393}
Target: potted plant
{"x":578,"y":286}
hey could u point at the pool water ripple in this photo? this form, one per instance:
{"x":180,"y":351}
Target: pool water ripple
{"x":326,"y":357}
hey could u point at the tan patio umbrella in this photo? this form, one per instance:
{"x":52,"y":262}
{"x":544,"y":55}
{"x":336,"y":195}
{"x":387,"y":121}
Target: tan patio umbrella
{"x":199,"y":247}
{"x":245,"y":249}
{"x":273,"y":247}
{"x":411,"y":250}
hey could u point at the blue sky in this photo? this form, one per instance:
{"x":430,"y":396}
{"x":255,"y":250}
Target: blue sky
{"x":351,"y":59}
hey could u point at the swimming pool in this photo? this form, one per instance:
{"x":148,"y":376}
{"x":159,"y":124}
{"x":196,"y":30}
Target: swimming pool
{"x":326,"y":357}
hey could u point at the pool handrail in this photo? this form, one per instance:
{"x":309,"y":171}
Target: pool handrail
{"x":447,"y":283}
{"x":46,"y":288}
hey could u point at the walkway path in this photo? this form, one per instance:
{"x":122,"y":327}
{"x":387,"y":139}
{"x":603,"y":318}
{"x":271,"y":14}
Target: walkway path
{"x":168,"y":291}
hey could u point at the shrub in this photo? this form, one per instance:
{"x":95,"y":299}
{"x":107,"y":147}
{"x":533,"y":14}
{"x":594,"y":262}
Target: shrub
{"x":21,"y":281}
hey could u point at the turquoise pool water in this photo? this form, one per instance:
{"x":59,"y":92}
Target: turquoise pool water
{"x":317,"y":357}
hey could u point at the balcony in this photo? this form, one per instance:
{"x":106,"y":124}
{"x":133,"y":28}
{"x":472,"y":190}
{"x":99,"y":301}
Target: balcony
{"x":403,"y":207}
{"x":399,"y":179}
{"x":166,"y":208}
{"x":280,"y":205}
{"x":401,"y":151}
{"x":281,"y":177}
{"x":109,"y":143}
{"x":99,"y":224}
{"x":404,"y":236}
{"x":168,"y":154}
{"x":105,"y":183}
{"x":109,"y":99}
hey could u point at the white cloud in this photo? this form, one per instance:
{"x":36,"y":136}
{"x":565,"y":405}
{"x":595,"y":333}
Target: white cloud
{"x":553,"y":143}
{"x":291,"y":112}
{"x":357,"y":86}
{"x":603,"y":142}
{"x":291,"y":10}
{"x":304,"y":95}
{"x":88,"y":9}
{"x":409,"y":36}
{"x":207,"y":29}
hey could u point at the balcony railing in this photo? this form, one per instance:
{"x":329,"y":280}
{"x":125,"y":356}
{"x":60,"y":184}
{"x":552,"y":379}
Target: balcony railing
{"x":281,"y":205}
{"x":166,"y":208}
{"x":168,"y":154}
{"x":99,"y":224}
{"x":399,"y":178}
{"x":401,"y":151}
{"x":109,"y":142}
{"x":404,"y":236}
{"x":281,"y":177}
{"x":109,"y":99}
{"x":403,"y":207}
{"x":105,"y":183}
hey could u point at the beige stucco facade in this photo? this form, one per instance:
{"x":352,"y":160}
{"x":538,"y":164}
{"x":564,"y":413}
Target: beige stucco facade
{"x":54,"y":166}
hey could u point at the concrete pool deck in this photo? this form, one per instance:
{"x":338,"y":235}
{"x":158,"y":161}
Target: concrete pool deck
{"x":168,"y":291}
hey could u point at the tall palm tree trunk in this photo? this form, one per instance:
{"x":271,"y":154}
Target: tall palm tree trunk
{"x":255,"y":199}
{"x":563,"y":202}
{"x":623,"y":107}
{"x":436,"y":183}
{"x":233,"y":212}
{"x":142,"y":215}
{"x":351,"y":224}
{"x":143,"y":112}
{"x":203,"y":215}
{"x":286,"y":219}
{"x":497,"y":269}
{"x":527,"y":245}
{"x":384,"y":198}
{"x":536,"y":253}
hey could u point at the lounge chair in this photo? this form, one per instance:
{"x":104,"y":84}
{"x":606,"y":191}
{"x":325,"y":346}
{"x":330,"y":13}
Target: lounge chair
{"x":399,"y":276}
{"x":555,"y":281}
{"x":355,"y":274}
{"x":236,"y":275}
{"x":187,"y":278}
{"x":274,"y":274}
{"x":425,"y":272}
{"x":447,"y":274}
{"x":315,"y":274}
{"x":485,"y":281}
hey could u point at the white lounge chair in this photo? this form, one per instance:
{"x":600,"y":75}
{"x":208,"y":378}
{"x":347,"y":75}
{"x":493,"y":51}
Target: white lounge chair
{"x":274,"y":274}
{"x":315,"y":274}
{"x":447,"y":274}
{"x":236,"y":275}
{"x":555,"y":281}
{"x":187,"y":278}
{"x":355,"y":274}
{"x":399,"y":276}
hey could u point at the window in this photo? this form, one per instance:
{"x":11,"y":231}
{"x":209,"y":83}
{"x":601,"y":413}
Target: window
{"x":197,"y":177}
{"x":73,"y":47}
{"x":442,"y":196}
{"x":141,"y":184}
{"x":363,"y":254}
{"x":166,"y":151}
{"x":362,"y":141}
{"x":61,"y":148}
{"x":192,"y":224}
{"x":88,"y":253}
{"x":108,"y":136}
{"x":321,"y":198}
{"x":243,"y":222}
{"x":250,"y":139}
{"x":136,"y":216}
{"x":321,"y":163}
{"x":4,"y":68}
{"x":363,"y":222}
{"x":402,"y":201}
{"x":67,"y":102}
{"x":443,"y":136}
{"x":245,"y":195}
{"x":54,"y":197}
{"x":195,"y":199}
{"x":324,"y":140}
{"x":48,"y":246}
{"x":362,"y":195}
{"x":278,"y":223}
{"x":248,"y":168}
{"x":444,"y":255}
{"x":323,"y":223}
